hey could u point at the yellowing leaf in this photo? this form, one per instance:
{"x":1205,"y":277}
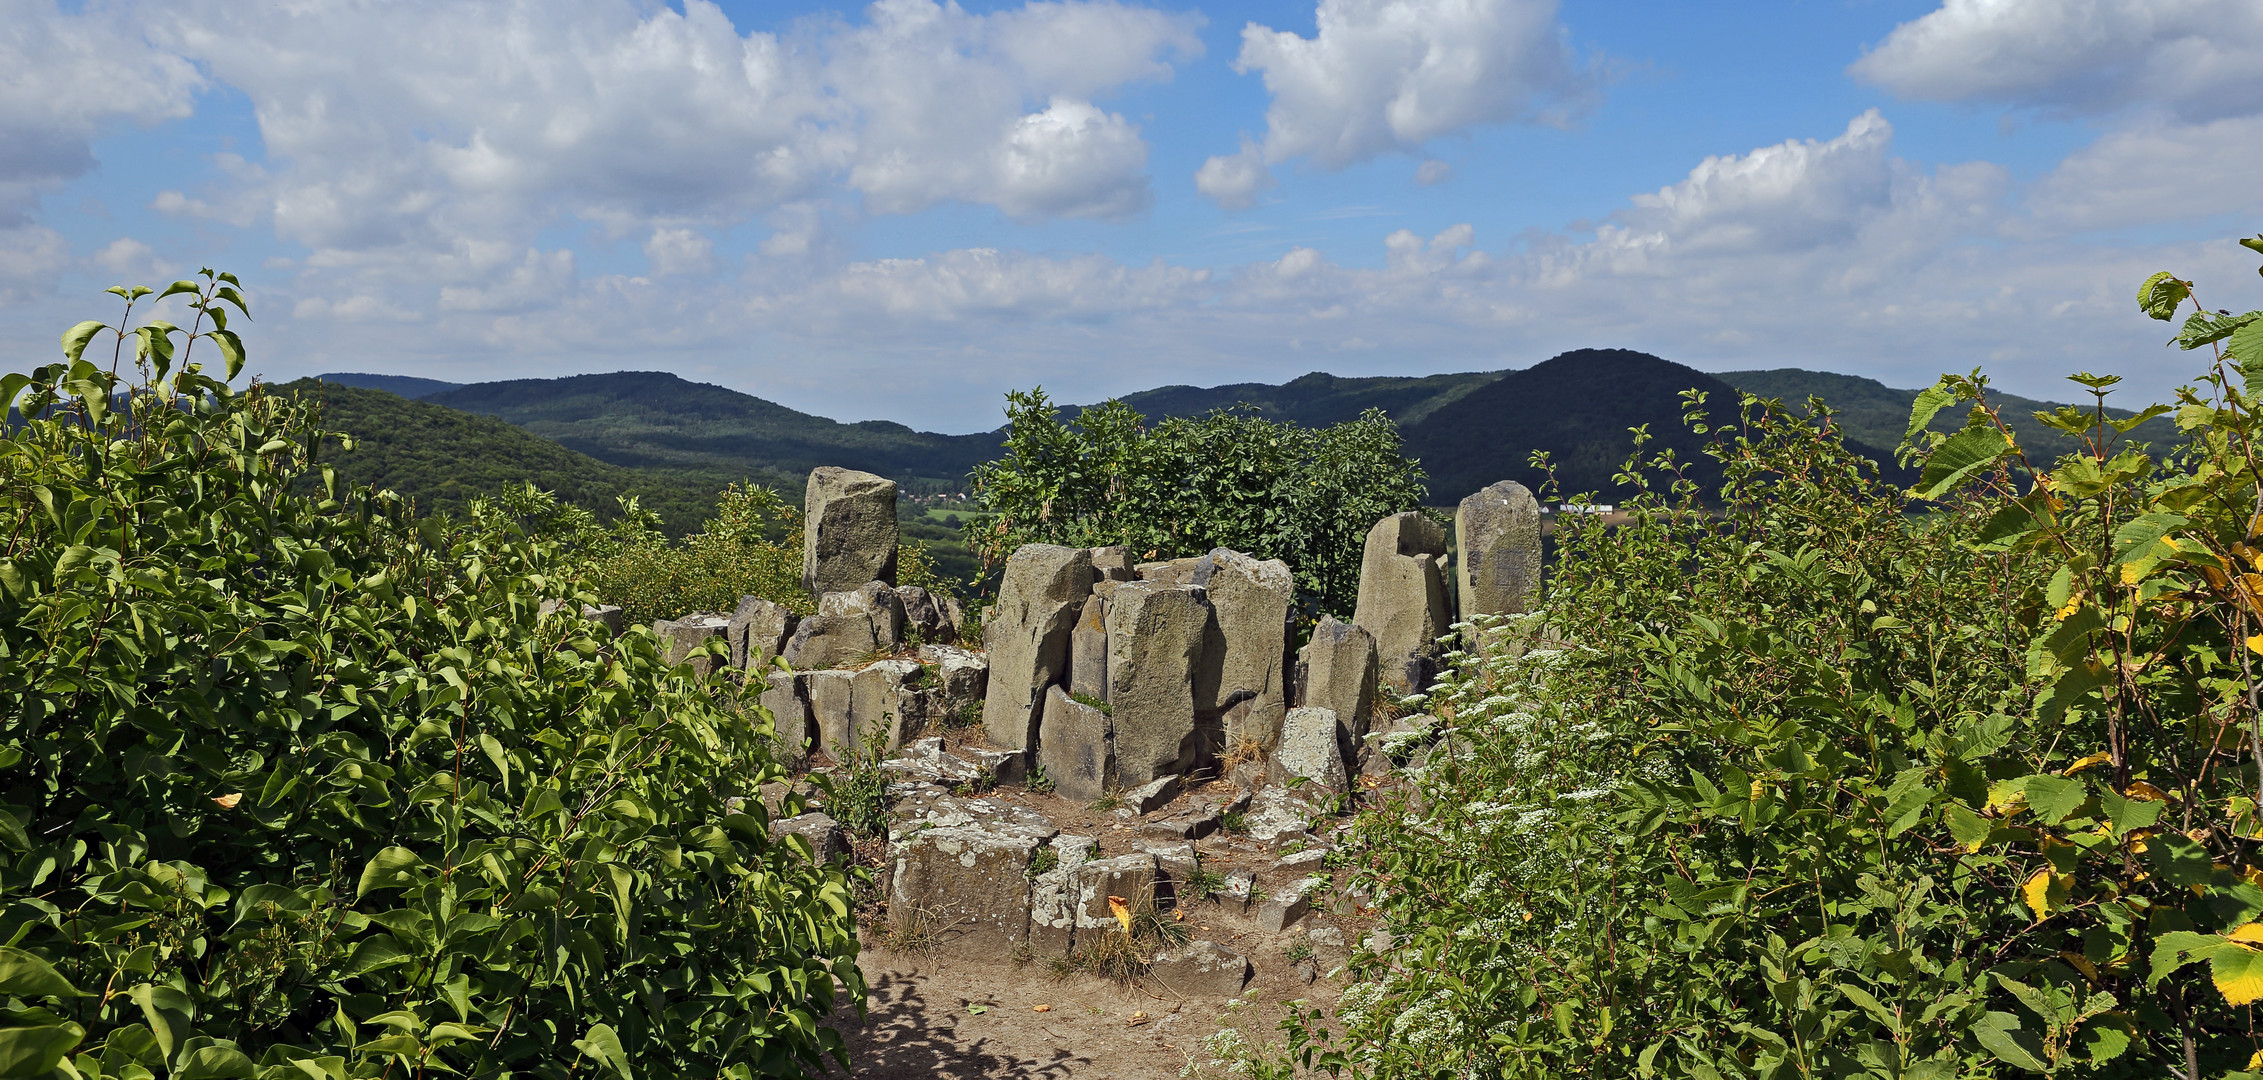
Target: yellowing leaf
{"x":2073,"y":604}
{"x":2255,"y":642}
{"x":1121,"y":911}
{"x":2251,"y":934}
{"x":2132,"y":573}
{"x":2080,"y":963}
{"x":2045,"y":891}
{"x":2094,"y":759}
{"x":2139,"y":789}
{"x":229,"y":801}
{"x":2238,"y":973}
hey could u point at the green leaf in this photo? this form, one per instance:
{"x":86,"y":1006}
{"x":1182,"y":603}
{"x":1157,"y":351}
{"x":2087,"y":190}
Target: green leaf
{"x":36,"y":1050}
{"x":75,"y":339}
{"x":169,"y":1013}
{"x":1930,"y":401}
{"x":2128,"y":815}
{"x":231,"y":350}
{"x":25,"y":975}
{"x":2180,"y":860}
{"x":1969,"y":828}
{"x":2053,"y":798}
{"x":392,"y":868}
{"x":215,"y":1063}
{"x":2245,"y":347}
{"x":604,"y":1046}
{"x":1967,"y":452}
{"x":2000,"y":1035}
{"x":2161,"y":294}
{"x":179,"y":287}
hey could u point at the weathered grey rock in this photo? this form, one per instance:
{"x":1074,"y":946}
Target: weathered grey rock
{"x":1088,"y":645}
{"x":1336,"y":671}
{"x":1402,"y":598}
{"x":831,"y":693}
{"x":1309,"y":859}
{"x":1027,"y":637}
{"x":1375,"y":750}
{"x":1155,"y":638}
{"x":1112,"y":563}
{"x":1192,"y":825}
{"x":826,"y":837}
{"x":830,"y":641}
{"x":606,"y":615}
{"x":786,"y":696}
{"x":1311,"y":748}
{"x":1244,"y":681}
{"x":1187,"y":571}
{"x":961,"y":675}
{"x":1201,"y":969}
{"x":1240,"y":885}
{"x":848,"y":530}
{"x":927,"y":616}
{"x":1055,"y":894}
{"x":1326,"y":937}
{"x":924,"y":761}
{"x":680,"y":637}
{"x":1497,"y":532}
{"x":1175,"y":860}
{"x":1076,"y":747}
{"x":759,"y":630}
{"x":875,"y":600}
{"x":889,"y":702}
{"x":999,"y":766}
{"x":969,"y":884}
{"x":1152,"y":796}
{"x":953,"y":615}
{"x":1129,"y":876}
{"x":1286,"y":905}
{"x":1276,"y":814}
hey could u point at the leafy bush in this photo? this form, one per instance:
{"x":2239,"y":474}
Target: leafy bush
{"x":295,"y":786}
{"x":1814,"y":786}
{"x":1306,"y":496}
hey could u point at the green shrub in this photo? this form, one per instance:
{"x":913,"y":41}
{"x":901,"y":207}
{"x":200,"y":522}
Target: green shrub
{"x":296,"y":786}
{"x":1275,"y":490}
{"x":1815,"y":785}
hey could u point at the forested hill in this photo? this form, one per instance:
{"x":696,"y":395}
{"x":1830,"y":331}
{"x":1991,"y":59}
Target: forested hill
{"x":443,"y":458}
{"x":1317,"y":399}
{"x":651,"y":419}
{"x":1877,"y":414}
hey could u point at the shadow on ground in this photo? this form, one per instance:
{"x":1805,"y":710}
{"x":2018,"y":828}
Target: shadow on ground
{"x":905,"y":1036}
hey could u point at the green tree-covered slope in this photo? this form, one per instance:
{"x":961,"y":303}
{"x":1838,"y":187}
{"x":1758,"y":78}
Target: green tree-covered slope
{"x":647,"y":419}
{"x":1875,"y":413}
{"x":443,"y":458}
{"x":1317,"y":399}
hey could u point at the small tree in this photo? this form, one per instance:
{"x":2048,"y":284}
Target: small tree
{"x":1276,"y":490}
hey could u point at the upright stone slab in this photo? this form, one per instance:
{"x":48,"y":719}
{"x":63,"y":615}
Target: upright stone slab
{"x":962,"y":675}
{"x":1187,"y":571}
{"x":1311,"y":748}
{"x":830,"y":641}
{"x":680,"y":637}
{"x":888,"y":702}
{"x":925,"y":617}
{"x":759,"y":630}
{"x":786,"y":695}
{"x":1076,"y":747}
{"x":1498,"y":536}
{"x":875,"y":600}
{"x":968,"y":884}
{"x":1088,"y":645}
{"x":1402,"y":598}
{"x":831,"y":694}
{"x":1027,"y":636}
{"x":848,"y":530}
{"x":1112,"y":563}
{"x":1245,"y":670}
{"x":1336,"y":671}
{"x":1156,"y":635}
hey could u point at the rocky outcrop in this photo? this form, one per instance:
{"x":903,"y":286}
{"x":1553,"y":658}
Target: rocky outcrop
{"x":830,"y":641}
{"x":1336,"y":671}
{"x":1311,"y":749}
{"x":1497,"y":534}
{"x":848,"y":531}
{"x":1077,"y":748}
{"x":786,"y":697}
{"x":889,"y":702}
{"x":606,"y":615}
{"x":875,"y":601}
{"x":961,"y":875}
{"x":759,"y":631}
{"x":679,"y":638}
{"x":831,"y":694}
{"x":1088,"y":645}
{"x":1244,"y":681}
{"x":827,"y":840}
{"x":1027,"y":637}
{"x":1201,"y":969}
{"x":1402,"y":598}
{"x":1156,"y":634}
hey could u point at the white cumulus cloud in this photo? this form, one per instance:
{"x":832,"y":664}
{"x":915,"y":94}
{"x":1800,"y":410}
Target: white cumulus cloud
{"x":1389,"y":76}
{"x":66,"y":76}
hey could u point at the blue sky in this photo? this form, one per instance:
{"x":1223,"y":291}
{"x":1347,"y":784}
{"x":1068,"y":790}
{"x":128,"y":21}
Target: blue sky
{"x":902,"y":210}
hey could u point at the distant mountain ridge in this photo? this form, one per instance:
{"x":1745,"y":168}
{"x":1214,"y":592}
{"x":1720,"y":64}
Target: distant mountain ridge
{"x":1469,"y":429}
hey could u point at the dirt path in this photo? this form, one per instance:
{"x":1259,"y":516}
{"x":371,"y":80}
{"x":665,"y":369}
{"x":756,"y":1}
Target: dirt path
{"x":919,"y":1024}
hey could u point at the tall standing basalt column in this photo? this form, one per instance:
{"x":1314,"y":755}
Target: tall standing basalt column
{"x":848,"y":531}
{"x":1497,"y":568}
{"x":1027,"y":636}
{"x":1402,"y":598}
